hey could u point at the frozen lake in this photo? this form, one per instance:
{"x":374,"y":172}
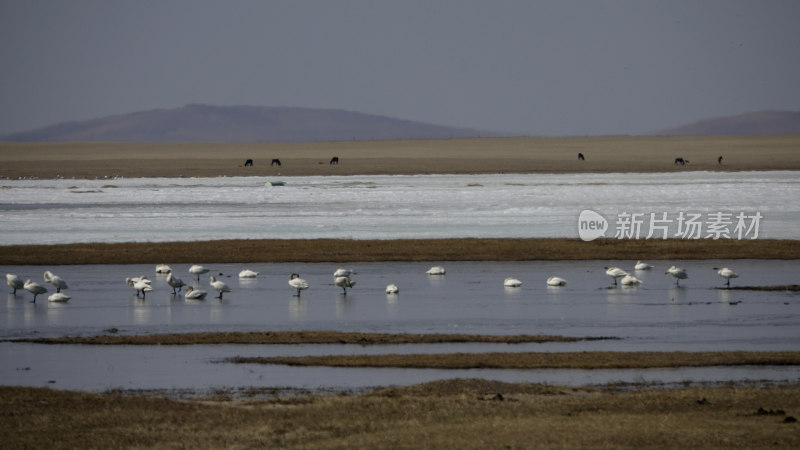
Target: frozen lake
{"x":385,"y":207}
{"x":470,"y":298}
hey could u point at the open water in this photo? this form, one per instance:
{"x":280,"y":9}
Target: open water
{"x":470,"y":298}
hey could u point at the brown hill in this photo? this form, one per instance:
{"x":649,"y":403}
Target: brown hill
{"x":205,"y":123}
{"x":750,"y":124}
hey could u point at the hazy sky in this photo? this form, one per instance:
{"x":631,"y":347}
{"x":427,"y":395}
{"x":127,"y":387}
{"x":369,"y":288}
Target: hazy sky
{"x":530,"y":67}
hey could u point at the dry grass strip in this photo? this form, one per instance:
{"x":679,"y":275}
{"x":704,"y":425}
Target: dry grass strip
{"x":784,"y":287}
{"x":567,"y":360}
{"x":460,"y":414}
{"x":302,"y":337}
{"x":343,"y":250}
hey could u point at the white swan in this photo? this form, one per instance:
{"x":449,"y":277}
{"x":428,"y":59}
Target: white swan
{"x":55,"y":280}
{"x":141,"y":284}
{"x":344,"y":283}
{"x":615,"y":272}
{"x":198,"y":270}
{"x":247,"y":274}
{"x":195,"y":294}
{"x":34,"y":288}
{"x":435,"y":270}
{"x":727,"y":274}
{"x":14,"y":282}
{"x":342,"y":273}
{"x":512,"y":282}
{"x":630,"y":280}
{"x":556,"y":281}
{"x":298,"y":283}
{"x":163,"y":268}
{"x":131,"y":280}
{"x":59,"y":297}
{"x":175,"y":282}
{"x":642,"y":266}
{"x":392,"y":289}
{"x":678,"y":273}
{"x":219,"y":286}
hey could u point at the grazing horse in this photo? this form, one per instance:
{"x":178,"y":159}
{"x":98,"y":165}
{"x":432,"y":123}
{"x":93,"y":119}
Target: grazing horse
{"x":249,"y":162}
{"x":580,"y":157}
{"x":681,"y":161}
{"x":719,"y":160}
{"x":275,"y":161}
{"x":334,"y":160}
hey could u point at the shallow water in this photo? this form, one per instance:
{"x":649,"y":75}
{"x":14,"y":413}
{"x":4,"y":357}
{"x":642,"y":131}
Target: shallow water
{"x":383,"y":207}
{"x":470,"y":298}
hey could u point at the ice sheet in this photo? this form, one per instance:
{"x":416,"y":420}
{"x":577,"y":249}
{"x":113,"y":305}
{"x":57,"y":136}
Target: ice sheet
{"x":380,"y":207}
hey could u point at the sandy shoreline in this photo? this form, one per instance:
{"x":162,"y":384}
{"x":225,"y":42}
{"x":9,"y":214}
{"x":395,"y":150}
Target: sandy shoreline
{"x":483,"y":155}
{"x":339,"y":250}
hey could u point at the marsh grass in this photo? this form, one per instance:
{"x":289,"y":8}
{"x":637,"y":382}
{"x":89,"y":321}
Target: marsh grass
{"x":530,"y":360}
{"x":301,"y":337}
{"x":345,"y":250}
{"x":445,"y":414}
{"x":783,"y":287}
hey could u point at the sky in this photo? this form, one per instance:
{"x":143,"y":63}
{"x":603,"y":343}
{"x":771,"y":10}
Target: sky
{"x":538,"y":68}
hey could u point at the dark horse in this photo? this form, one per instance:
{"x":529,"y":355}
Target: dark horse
{"x":334,"y":160}
{"x":580,"y":156}
{"x":681,"y":161}
{"x":275,"y":161}
{"x":249,"y":162}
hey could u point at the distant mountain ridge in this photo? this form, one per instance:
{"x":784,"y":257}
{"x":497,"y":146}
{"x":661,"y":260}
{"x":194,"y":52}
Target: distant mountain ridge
{"x":207,"y":123}
{"x":750,"y":124}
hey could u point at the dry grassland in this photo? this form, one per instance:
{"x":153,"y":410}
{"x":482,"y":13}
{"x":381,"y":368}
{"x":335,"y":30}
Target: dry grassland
{"x":449,"y":414}
{"x":488,"y":155}
{"x":343,"y":250}
{"x":527,"y":360}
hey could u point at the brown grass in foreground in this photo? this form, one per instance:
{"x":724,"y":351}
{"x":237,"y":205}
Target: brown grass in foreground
{"x":302,"y":337}
{"x":448,"y":414}
{"x":343,"y":250}
{"x":530,"y":360}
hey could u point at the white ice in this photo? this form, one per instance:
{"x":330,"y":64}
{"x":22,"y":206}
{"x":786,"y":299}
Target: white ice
{"x":379,"y":207}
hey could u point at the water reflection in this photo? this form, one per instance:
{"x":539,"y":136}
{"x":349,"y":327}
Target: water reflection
{"x":298,"y":308}
{"x":724,"y":296}
{"x":218,"y":312}
{"x":56,"y":312}
{"x":510,"y":293}
{"x":142,"y":312}
{"x":677,"y":294}
{"x":392,"y":305}
{"x":437,"y":281}
{"x":344,"y":304}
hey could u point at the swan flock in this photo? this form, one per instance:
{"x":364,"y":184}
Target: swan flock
{"x":342,"y":278}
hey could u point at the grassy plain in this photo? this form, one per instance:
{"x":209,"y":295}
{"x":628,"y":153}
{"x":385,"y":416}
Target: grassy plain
{"x":445,"y":414}
{"x":481,"y":155}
